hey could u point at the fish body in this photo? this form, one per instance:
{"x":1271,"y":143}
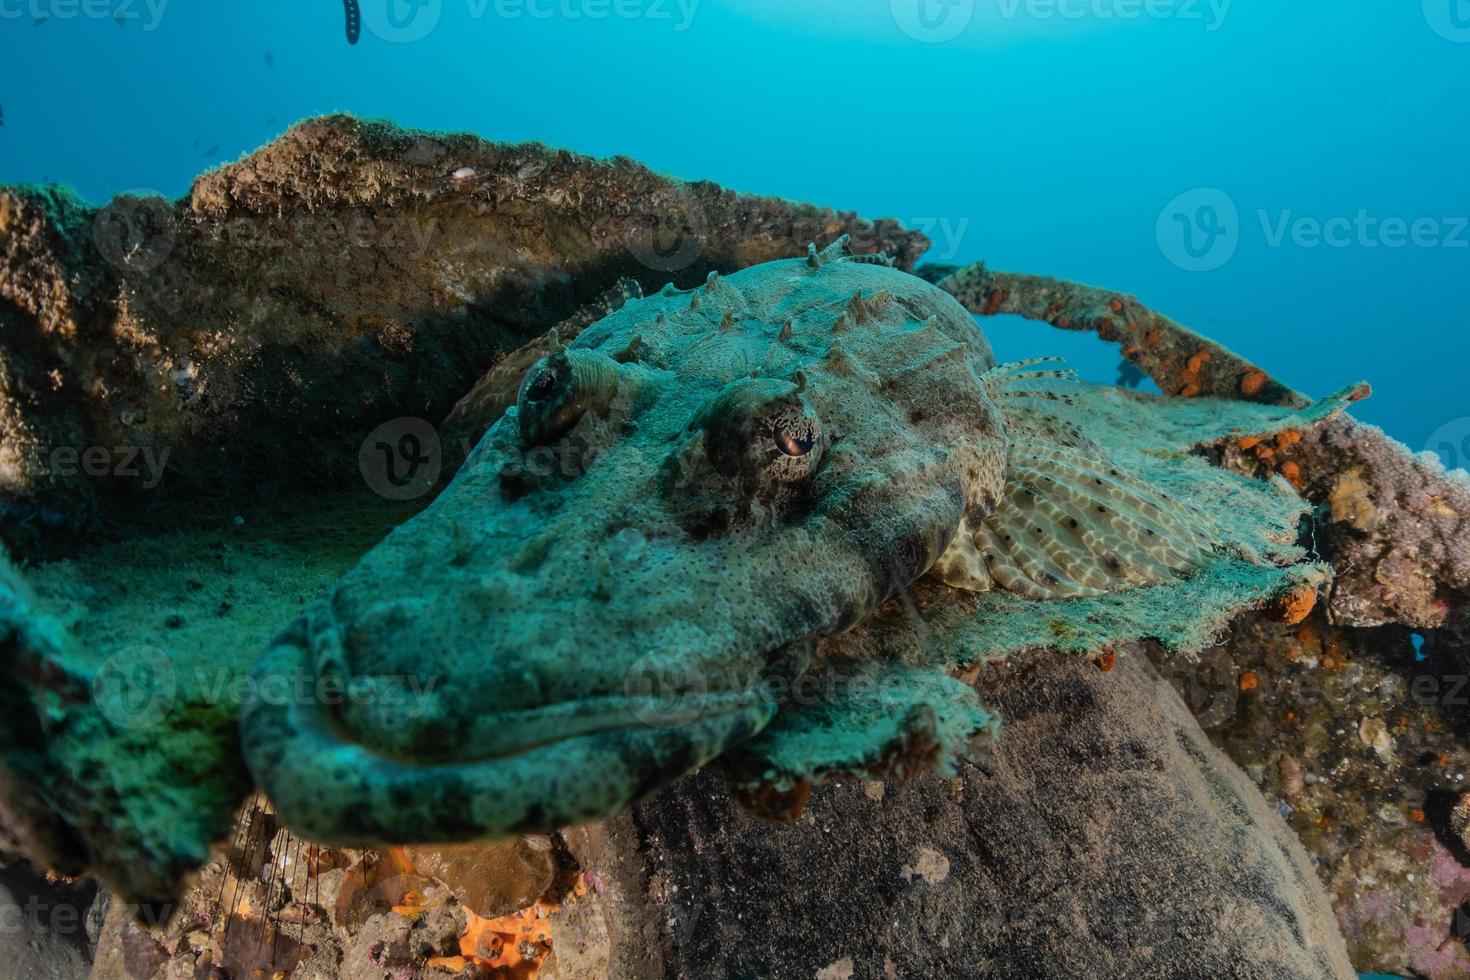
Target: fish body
{"x":655,"y":540}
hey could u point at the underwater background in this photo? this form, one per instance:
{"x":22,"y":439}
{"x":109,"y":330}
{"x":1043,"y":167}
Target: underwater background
{"x":1289,"y":179}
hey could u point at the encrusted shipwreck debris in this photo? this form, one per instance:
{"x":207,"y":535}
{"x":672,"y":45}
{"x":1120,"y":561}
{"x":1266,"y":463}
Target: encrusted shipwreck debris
{"x":230,"y":343}
{"x":1395,"y":525}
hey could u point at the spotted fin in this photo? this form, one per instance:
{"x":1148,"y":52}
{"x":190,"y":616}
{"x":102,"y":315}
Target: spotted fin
{"x":1069,"y":521}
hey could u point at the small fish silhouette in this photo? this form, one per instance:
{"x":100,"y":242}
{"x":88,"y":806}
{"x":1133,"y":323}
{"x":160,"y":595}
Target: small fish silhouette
{"x":2,"y":115}
{"x":121,"y":20}
{"x":270,"y":60}
{"x":354,"y":20}
{"x":40,"y":20}
{"x":212,"y":151}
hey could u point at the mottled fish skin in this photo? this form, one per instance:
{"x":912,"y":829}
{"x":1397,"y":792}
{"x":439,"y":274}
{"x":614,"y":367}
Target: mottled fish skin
{"x":748,"y":467}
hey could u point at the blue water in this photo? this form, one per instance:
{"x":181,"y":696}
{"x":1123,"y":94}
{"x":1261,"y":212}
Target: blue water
{"x":1176,"y":150}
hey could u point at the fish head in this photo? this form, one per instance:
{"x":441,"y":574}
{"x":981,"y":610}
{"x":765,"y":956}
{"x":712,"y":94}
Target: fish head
{"x":679,"y":506}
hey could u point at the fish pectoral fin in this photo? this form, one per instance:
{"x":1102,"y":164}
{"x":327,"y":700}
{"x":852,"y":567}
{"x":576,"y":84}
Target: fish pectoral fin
{"x":1069,"y":520}
{"x":857,"y":718}
{"x":1073,"y":523}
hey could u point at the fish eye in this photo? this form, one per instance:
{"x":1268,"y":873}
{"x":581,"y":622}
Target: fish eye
{"x":763,"y":434}
{"x":561,"y":388}
{"x":795,"y":437}
{"x":540,"y":384}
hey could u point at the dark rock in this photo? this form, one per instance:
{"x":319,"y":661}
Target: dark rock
{"x":44,"y":925}
{"x":1108,"y":838}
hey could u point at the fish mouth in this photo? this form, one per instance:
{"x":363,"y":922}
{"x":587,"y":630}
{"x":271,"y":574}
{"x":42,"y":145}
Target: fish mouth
{"x":519,"y":732}
{"x":566,"y":764}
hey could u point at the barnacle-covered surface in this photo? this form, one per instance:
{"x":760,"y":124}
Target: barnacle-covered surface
{"x":1359,"y":738}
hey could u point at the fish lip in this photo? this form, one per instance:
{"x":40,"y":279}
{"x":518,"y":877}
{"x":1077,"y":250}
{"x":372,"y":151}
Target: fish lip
{"x":549,"y":725}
